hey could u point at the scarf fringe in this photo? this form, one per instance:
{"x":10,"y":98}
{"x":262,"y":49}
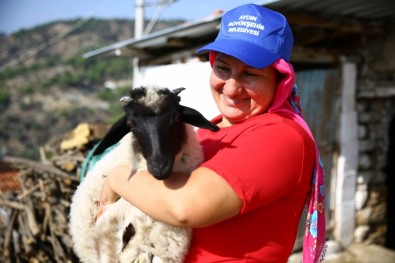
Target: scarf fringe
{"x":323,"y":253}
{"x":321,"y":257}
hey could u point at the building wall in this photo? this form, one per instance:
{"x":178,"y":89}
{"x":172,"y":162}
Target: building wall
{"x":375,"y":109}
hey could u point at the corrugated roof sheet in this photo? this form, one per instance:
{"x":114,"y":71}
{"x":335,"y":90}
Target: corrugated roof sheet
{"x":193,"y":32}
{"x":364,"y":9}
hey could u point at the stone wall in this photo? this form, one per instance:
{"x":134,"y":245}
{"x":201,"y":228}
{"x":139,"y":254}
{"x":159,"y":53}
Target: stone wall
{"x":376,"y":108}
{"x":371,"y":189}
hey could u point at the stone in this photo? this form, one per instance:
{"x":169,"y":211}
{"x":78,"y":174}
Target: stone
{"x":366,"y":145}
{"x":363,"y":215}
{"x":365,"y":162}
{"x":364,"y":177}
{"x":362,"y":131}
{"x":361,"y":233}
{"x":361,"y":195}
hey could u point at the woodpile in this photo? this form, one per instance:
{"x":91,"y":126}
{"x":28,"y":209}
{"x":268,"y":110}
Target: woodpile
{"x":34,"y":220}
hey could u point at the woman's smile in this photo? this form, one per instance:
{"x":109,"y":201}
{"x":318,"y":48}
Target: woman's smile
{"x":233,"y":102}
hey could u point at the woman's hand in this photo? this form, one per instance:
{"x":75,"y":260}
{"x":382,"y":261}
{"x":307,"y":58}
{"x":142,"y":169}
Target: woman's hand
{"x":108,"y":196}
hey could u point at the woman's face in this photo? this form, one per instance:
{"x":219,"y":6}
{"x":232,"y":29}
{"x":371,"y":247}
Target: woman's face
{"x":239,"y":90}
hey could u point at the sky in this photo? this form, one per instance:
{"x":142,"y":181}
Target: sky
{"x":25,"y":14}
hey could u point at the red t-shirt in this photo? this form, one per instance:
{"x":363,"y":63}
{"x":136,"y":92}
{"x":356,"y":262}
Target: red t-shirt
{"x":268,"y":160}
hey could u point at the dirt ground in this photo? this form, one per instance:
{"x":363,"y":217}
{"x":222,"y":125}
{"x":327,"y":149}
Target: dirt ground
{"x":355,"y":253}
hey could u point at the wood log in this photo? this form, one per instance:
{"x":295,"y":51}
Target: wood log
{"x":34,"y":220}
{"x":37,"y":229}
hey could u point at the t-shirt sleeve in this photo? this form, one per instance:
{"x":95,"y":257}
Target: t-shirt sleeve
{"x":262,"y":163}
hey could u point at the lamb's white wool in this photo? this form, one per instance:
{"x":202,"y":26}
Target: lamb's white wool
{"x":152,"y":98}
{"x":153,"y":241}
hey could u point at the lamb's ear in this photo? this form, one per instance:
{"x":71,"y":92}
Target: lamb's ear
{"x":195,"y":118}
{"x":115,"y":134}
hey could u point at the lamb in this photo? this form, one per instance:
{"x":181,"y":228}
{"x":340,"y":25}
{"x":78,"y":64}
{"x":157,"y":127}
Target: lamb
{"x":155,"y":134}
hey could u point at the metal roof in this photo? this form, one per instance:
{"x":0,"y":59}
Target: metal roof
{"x":188,"y":33}
{"x":362,"y":9}
{"x":315,"y":23}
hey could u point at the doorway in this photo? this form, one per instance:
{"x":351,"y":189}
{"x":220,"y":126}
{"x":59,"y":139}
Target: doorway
{"x":319,"y":90}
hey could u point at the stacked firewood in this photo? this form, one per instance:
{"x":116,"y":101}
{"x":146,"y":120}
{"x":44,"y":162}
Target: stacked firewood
{"x":34,"y":220}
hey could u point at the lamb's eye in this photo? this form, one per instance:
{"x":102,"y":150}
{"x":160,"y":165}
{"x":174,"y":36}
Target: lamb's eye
{"x":132,"y":125}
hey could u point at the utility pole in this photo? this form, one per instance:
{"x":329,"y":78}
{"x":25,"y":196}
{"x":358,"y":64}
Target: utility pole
{"x":138,"y":33}
{"x":139,"y":19}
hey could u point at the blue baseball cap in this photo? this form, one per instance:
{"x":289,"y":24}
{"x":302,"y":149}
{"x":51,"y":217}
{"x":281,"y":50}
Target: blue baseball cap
{"x":253,"y":34}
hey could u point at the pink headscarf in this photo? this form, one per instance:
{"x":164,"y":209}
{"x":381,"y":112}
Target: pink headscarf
{"x":287,"y":101}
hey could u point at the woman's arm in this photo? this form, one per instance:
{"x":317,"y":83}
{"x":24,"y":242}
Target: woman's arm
{"x":200,"y":199}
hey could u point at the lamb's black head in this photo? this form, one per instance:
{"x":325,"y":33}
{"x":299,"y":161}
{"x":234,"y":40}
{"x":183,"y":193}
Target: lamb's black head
{"x":153,"y":116}
{"x":156,"y":119}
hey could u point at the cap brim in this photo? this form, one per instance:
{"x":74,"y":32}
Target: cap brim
{"x":248,"y":53}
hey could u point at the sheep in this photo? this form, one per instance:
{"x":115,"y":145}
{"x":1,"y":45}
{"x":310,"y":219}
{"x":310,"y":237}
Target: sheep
{"x":155,"y":134}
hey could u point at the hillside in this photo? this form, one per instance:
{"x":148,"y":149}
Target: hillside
{"x":47,"y":88}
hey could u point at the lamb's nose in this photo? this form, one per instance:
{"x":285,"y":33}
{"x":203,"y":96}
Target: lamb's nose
{"x":160,"y":167}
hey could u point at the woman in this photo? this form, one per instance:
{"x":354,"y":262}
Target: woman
{"x":244,"y":202}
